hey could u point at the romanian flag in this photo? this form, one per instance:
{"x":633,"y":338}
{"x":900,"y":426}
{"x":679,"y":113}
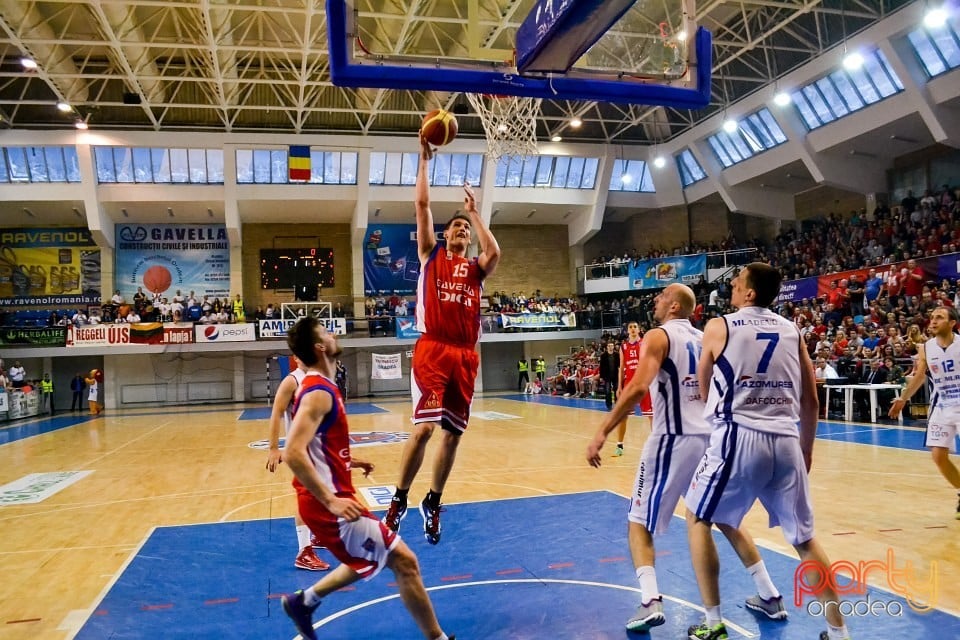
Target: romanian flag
{"x":299,"y":163}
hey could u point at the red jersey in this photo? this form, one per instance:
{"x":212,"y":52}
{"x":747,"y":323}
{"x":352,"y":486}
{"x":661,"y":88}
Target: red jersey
{"x":330,"y":448}
{"x":630,"y":357}
{"x":448,"y":298}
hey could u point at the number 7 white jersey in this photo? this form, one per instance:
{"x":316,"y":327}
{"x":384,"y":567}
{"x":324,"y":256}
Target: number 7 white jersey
{"x":756,"y":379}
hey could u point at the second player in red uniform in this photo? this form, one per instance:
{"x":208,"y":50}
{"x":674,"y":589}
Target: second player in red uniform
{"x":445,"y":359}
{"x":629,"y":359}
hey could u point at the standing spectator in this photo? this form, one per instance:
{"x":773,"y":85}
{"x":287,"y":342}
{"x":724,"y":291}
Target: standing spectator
{"x":771,"y":458}
{"x":540,"y":368}
{"x":238,"y":312}
{"x":913,"y":285}
{"x":46,"y":393}
{"x":77,"y":385}
{"x":341,"y":379}
{"x":445,"y":360}
{"x":872,"y":288}
{"x":18,"y":375}
{"x":523,"y":375}
{"x":855,"y":293}
{"x":610,"y":372}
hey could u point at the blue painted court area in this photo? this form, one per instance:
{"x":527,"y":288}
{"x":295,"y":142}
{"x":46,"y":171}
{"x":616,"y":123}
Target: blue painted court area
{"x":41,"y":426}
{"x":353,"y":409}
{"x":530,"y":568}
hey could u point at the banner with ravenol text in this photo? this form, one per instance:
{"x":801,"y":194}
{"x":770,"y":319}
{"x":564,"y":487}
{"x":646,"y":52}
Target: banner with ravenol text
{"x":386,"y":367}
{"x":163,"y":258}
{"x":391,"y":263}
{"x":37,"y":336}
{"x":660,"y":272}
{"x":538,"y":320}
{"x":48,"y":268}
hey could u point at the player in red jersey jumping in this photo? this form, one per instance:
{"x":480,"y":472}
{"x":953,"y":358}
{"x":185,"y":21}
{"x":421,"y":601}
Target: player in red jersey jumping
{"x":318,"y":452}
{"x":629,"y":359}
{"x":445,"y":359}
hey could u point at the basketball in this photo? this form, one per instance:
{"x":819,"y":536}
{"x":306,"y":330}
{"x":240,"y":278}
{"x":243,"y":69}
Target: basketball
{"x":439,"y":127}
{"x":157,"y":279}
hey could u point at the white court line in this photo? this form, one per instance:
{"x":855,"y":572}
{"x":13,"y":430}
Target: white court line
{"x":586,"y":583}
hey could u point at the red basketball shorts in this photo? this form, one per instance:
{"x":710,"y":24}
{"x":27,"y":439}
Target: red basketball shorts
{"x":441,"y":382}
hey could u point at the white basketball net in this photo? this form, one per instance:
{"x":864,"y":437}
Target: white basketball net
{"x":510,"y":123}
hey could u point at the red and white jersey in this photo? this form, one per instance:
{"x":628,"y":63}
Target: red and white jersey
{"x":298,"y":375}
{"x":448,"y":298}
{"x":630,"y":357}
{"x":330,"y":448}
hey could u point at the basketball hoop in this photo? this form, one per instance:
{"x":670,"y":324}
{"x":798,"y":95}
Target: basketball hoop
{"x":509,"y":122}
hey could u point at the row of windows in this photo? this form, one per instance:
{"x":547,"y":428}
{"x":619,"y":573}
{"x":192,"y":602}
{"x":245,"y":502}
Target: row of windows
{"x":846,"y":90}
{"x":158,"y":165}
{"x":938,"y":47}
{"x":754,"y":134}
{"x":39,"y":164}
{"x":690,"y":170}
{"x":270,"y":166}
{"x":559,"y":172}
{"x":444,"y":170}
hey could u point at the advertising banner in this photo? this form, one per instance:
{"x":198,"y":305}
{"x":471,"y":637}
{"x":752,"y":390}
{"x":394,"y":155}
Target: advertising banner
{"x":538,"y":320}
{"x":56,"y":267}
{"x":177,"y":334}
{"x":4,"y":401}
{"x":660,"y":272}
{"x":796,"y":290}
{"x":386,"y":367}
{"x":276,"y":328}
{"x":225,"y":332}
{"x":162,"y":258}
{"x":406,"y":327}
{"x":391,"y":263}
{"x":38,"y":336}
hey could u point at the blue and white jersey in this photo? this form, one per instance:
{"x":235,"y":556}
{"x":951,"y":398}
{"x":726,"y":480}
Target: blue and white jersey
{"x":676,"y":390}
{"x":298,"y":375}
{"x":756,"y":379}
{"x":943,"y":368}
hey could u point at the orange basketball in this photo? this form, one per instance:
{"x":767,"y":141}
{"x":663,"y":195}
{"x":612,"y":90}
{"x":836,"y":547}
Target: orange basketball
{"x":157,"y":279}
{"x":439,"y":127}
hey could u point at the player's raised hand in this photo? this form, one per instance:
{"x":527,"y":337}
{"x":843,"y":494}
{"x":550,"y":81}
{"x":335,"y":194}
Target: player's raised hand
{"x":469,"y":199}
{"x":426,"y":152}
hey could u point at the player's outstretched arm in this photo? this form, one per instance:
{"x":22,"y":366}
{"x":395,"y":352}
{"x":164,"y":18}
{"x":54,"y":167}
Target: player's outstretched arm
{"x":288,"y":386}
{"x":426,"y":240}
{"x":714,"y":339}
{"x":652,"y":353}
{"x":809,"y":405}
{"x":916,"y":381}
{"x":489,"y":248}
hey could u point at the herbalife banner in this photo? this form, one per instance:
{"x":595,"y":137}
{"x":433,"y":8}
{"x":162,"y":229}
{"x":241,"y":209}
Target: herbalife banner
{"x":162,"y":258}
{"x":386,"y":367}
{"x":56,"y":267}
{"x":660,"y":272}
{"x":37,"y":336}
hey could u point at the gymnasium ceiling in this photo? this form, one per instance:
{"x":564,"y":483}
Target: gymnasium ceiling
{"x":261,"y":65}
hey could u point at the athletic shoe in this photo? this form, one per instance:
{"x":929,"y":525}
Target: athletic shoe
{"x":308,"y":560}
{"x":647,"y":616}
{"x":772,"y":608}
{"x":618,"y":451}
{"x":431,"y":522}
{"x":300,"y":614}
{"x":396,"y":513}
{"x":703,"y":632}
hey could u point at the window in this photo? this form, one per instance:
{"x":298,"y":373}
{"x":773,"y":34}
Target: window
{"x":631,"y":175}
{"x":39,"y":164}
{"x":444,"y":170}
{"x":938,"y":49}
{"x":755,"y":134}
{"x":560,"y":172}
{"x":151,"y":165}
{"x":843,"y":92}
{"x":690,"y":169}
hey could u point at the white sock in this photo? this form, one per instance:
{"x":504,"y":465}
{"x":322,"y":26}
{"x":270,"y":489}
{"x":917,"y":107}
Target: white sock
{"x":713,"y":616}
{"x":310,"y":597}
{"x":761,"y":578}
{"x":837,"y":633}
{"x":620,"y":444}
{"x":303,"y":536}
{"x":647,"y":576}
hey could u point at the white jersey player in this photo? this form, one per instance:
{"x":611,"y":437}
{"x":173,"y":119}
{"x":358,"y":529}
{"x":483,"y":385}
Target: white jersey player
{"x":761,"y":384}
{"x":939,"y":360}
{"x":282,"y":414}
{"x":667,"y":369}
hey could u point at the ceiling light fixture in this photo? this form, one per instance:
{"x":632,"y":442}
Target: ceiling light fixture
{"x":77,"y":212}
{"x":782,"y":99}
{"x":170,"y":212}
{"x":210,"y":212}
{"x":853,"y":61}
{"x":64,"y":106}
{"x":626,"y":178}
{"x":556,"y":138}
{"x":681,"y":35}
{"x":81,"y":124}
{"x":935,"y":18}
{"x":576,"y":122}
{"x":28,"y":63}
{"x":659,"y":162}
{"x":730,"y":125}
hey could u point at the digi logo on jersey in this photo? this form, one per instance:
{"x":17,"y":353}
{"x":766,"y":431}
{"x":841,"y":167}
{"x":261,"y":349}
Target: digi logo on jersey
{"x":459,"y":292}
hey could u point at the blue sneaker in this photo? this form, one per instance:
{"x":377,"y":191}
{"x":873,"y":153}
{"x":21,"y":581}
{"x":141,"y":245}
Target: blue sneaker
{"x":431,"y":522}
{"x":300,"y":614}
